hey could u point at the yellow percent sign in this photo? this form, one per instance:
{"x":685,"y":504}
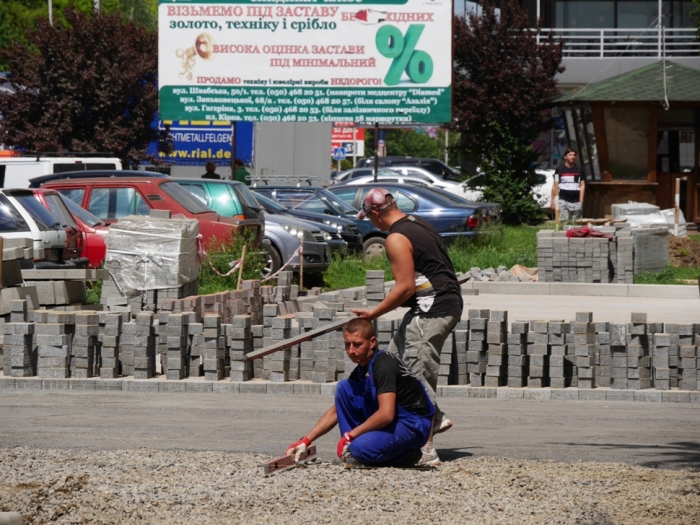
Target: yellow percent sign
{"x":391,"y":43}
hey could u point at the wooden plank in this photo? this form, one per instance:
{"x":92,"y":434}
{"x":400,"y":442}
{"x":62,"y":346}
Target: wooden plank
{"x":652,"y":143}
{"x":301,"y":338}
{"x":287,"y":462}
{"x":81,"y":274}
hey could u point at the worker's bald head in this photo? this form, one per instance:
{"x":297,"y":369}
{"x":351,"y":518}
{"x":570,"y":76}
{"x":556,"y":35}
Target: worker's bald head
{"x":361,"y":327}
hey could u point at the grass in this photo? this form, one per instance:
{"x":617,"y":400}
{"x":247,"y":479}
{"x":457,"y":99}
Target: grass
{"x":503,"y":246}
{"x":670,"y":275}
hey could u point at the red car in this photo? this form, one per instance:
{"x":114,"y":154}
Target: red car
{"x":109,"y":199}
{"x":94,"y":231}
{"x":52,"y":201}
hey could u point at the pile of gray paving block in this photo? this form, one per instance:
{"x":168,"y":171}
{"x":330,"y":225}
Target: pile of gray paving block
{"x":374,"y":283}
{"x":86,"y":329}
{"x":500,"y":274}
{"x":477,"y":357}
{"x":111,"y":328}
{"x":240,"y":342}
{"x":459,"y":373}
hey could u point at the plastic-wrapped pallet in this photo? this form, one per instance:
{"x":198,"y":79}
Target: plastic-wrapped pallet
{"x":147,"y":253}
{"x":621,"y":211}
{"x":651,"y":249}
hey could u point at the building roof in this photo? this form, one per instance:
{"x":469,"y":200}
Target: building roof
{"x":645,"y":84}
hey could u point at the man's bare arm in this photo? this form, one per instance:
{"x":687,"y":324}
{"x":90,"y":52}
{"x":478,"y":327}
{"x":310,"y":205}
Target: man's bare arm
{"x":399,"y":250}
{"x":324,"y":425}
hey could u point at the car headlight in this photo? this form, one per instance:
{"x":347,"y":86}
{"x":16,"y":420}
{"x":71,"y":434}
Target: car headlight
{"x":300,"y":233}
{"x":327,"y":236}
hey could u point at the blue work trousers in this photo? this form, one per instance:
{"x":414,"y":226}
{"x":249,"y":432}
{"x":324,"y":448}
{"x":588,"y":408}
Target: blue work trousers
{"x":386,"y":446}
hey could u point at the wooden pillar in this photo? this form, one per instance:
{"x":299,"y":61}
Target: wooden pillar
{"x":601,"y":141}
{"x":653,"y":141}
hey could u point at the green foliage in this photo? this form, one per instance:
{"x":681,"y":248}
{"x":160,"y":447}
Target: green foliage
{"x":508,"y":177}
{"x":500,"y":246}
{"x":221,"y":254}
{"x":94,"y":291}
{"x":88,"y":85}
{"x":670,"y":275}
{"x":413,"y":143}
{"x":347,"y":271}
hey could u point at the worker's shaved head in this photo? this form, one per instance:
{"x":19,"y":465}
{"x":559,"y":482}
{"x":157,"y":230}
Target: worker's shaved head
{"x":360,"y":326}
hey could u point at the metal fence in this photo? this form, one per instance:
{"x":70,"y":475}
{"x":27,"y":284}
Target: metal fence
{"x":626,"y":43}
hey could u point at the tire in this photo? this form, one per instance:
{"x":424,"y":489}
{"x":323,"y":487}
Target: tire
{"x":273,"y":262}
{"x":373,"y":247}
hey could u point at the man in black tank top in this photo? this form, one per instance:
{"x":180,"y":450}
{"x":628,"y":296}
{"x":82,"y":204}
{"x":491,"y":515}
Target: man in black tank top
{"x":425,"y":283}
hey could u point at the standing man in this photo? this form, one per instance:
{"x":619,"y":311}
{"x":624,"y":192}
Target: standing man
{"x":383,"y":411}
{"x":426,"y":283}
{"x":210,"y":168}
{"x":241,"y":174}
{"x":571,"y":188}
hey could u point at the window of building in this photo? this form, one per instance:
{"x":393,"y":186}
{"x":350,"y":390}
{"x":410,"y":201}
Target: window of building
{"x":628,"y":142}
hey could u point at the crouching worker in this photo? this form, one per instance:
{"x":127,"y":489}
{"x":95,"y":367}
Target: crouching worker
{"x":383,"y":411}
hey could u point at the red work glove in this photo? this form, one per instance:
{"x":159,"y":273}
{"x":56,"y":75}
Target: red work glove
{"x":343,"y":444}
{"x":298,"y":448}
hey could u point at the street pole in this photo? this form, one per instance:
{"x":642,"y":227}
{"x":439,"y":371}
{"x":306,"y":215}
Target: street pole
{"x":376,"y":150}
{"x":96,"y":5}
{"x":233,"y":150}
{"x":50,"y":14}
{"x":447,"y":146}
{"x":354,"y":145}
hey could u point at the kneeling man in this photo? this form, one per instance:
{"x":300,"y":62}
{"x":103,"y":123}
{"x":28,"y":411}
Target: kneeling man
{"x":383,"y":411}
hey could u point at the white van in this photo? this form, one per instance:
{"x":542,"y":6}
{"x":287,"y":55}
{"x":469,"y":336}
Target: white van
{"x":15,"y":172}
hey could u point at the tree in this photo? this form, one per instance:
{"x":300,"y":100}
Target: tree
{"x":88,"y":85}
{"x":410,"y":142}
{"x":503,"y":81}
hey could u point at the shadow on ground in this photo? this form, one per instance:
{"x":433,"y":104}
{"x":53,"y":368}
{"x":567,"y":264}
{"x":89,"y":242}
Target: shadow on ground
{"x":452,"y":454}
{"x":677,"y":455}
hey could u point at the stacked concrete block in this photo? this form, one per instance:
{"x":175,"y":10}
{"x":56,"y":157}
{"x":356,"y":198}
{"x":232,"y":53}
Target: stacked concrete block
{"x":18,"y":311}
{"x":279,"y":362}
{"x":251,"y":290}
{"x":618,"y":352}
{"x":214,"y":349}
{"x":638,"y":353}
{"x":518,"y":360}
{"x":687,"y":358}
{"x":374,"y":286}
{"x":111,"y":327}
{"x":144,"y":346}
{"x":20,"y":358}
{"x":177,"y":341}
{"x":584,"y":349}
{"x":539,"y":372}
{"x":240,"y":342}
{"x":321,"y":355}
{"x":336,"y":356}
{"x":660,"y":361}
{"x":459,"y":371}
{"x":446,"y":353}
{"x":477,"y":357}
{"x":625,"y":256}
{"x":672,"y":329}
{"x":496,"y":337}
{"x":603,"y":355}
{"x":545,"y":255}
{"x":385,"y":332}
{"x":283,"y":290}
{"x":195,"y":348}
{"x":53,"y":347}
{"x":85,"y":344}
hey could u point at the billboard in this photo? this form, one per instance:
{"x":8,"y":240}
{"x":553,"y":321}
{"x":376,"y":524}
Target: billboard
{"x":199,"y":142}
{"x":364,"y":61}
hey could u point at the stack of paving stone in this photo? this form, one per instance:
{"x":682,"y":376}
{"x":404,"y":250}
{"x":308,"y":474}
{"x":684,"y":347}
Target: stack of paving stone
{"x":603,"y":355}
{"x":459,"y":372}
{"x":109,"y":350}
{"x":194,"y":347}
{"x":126,"y":348}
{"x":177,"y":340}
{"x":638,"y":353}
{"x":277,"y":364}
{"x":555,"y":355}
{"x":84,"y":350}
{"x":214,"y":349}
{"x":20,"y":358}
{"x":618,"y":351}
{"x":660,"y":361}
{"x":517,"y":354}
{"x":539,"y":372}
{"x":282,"y":292}
{"x":374,"y":286}
{"x":254,"y":301}
{"x":445,"y":368}
{"x":353,"y":298}
{"x":687,"y":358}
{"x":672,"y":330}
{"x":496,"y":337}
{"x":584,"y":349}
{"x":586,"y":259}
{"x":144,"y":347}
{"x":240,"y":342}
{"x":477,"y":357}
{"x":53,"y":347}
{"x":385,"y":332}
{"x":337,"y":356}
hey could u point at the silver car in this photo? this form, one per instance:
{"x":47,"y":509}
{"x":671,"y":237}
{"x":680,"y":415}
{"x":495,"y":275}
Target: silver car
{"x":284,"y":234}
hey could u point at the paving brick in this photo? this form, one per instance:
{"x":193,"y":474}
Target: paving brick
{"x":280,"y":388}
{"x":453,"y":391}
{"x":328,"y":389}
{"x":56,"y":384}
{"x":648,"y":395}
{"x":307,"y":388}
{"x":594,"y":394}
{"x":675,"y":397}
{"x":28,"y":383}
{"x":226,"y":387}
{"x":109,"y":384}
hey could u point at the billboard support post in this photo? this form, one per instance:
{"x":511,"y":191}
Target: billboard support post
{"x":376,"y":150}
{"x":233,"y":150}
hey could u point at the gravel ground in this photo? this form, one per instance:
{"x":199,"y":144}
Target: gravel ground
{"x":169,"y":487}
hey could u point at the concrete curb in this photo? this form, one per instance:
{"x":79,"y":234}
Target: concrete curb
{"x":585,"y":289}
{"x":304,"y":388}
{"x":10,"y":518}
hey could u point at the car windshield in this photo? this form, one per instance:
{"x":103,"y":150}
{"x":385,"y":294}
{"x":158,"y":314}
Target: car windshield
{"x":10,"y":218}
{"x":268,"y":205}
{"x":335,"y":201}
{"x":59,"y":210}
{"x":82,"y":214}
{"x":185,"y":198}
{"x":43,"y":218}
{"x":245,"y":195}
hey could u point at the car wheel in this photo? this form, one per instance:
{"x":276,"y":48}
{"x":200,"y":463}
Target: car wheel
{"x":273,"y":262}
{"x":373,"y":247}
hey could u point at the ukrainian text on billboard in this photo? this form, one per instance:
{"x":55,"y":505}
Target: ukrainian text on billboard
{"x":363,"y":61}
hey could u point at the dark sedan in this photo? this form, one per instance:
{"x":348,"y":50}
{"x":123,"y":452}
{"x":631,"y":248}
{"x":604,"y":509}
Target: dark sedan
{"x":450,"y":217}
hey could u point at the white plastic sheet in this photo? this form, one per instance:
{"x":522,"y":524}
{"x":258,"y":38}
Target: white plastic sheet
{"x":146,"y":253}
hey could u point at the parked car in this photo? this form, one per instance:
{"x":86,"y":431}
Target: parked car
{"x":23,"y":216}
{"x":331,"y":234}
{"x":234,"y":199}
{"x":410,"y":173}
{"x":38,"y":182}
{"x":94,"y":233}
{"x":109,"y":199}
{"x":435,"y":166}
{"x":51,"y":200}
{"x":346,"y":226}
{"x":16,"y":172}
{"x":344,"y":176}
{"x":450,"y":218}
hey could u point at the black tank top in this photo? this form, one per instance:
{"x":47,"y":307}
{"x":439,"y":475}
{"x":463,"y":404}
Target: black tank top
{"x":437,"y":290}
